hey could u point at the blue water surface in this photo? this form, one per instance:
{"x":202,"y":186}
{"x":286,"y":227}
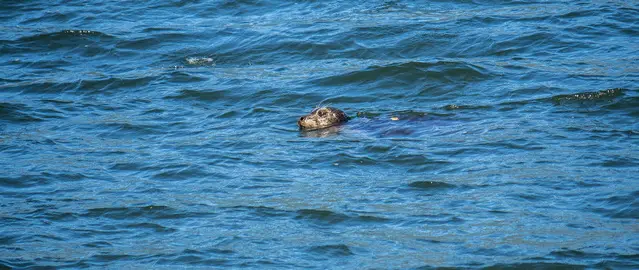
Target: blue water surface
{"x":162,"y":134}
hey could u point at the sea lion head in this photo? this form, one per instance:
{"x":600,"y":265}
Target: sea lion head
{"x":322,"y":117}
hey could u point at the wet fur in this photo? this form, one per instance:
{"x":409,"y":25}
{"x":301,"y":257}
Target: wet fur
{"x":322,"y":117}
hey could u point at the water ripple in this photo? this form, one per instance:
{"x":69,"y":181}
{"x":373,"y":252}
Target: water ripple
{"x":163,"y":134}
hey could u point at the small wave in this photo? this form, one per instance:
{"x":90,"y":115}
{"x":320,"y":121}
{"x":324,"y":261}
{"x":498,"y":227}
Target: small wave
{"x":411,"y":72}
{"x":119,"y":127}
{"x":349,"y":159}
{"x":150,"y":226}
{"x":181,"y":172}
{"x":378,"y":148}
{"x":621,"y":206}
{"x":198,"y":257}
{"x":57,"y":101}
{"x":82,"y":85}
{"x":200,"y":95}
{"x":112,"y":257}
{"x":17,"y":264}
{"x":612,"y":261}
{"x":537,"y":265}
{"x":18,"y":113}
{"x":147,"y":42}
{"x":23,"y":181}
{"x":97,"y":244}
{"x":430,"y":185}
{"x":542,"y":43}
{"x":84,"y":33}
{"x":323,"y":216}
{"x":410,"y":115}
{"x":453,"y":107}
{"x":8,"y":239}
{"x":184,"y":77}
{"x":443,"y":218}
{"x":607,"y":94}
{"x":150,"y":211}
{"x":330,"y":217}
{"x":261,"y":212}
{"x":90,"y":41}
{"x":55,"y":216}
{"x":332,"y":250}
{"x":200,"y":61}
{"x":609,"y":97}
{"x":102,"y":85}
{"x":628,"y":104}
{"x":64,"y":35}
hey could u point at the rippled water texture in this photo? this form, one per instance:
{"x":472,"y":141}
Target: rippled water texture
{"x":162,"y":134}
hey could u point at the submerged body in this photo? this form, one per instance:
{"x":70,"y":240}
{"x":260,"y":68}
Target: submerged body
{"x":327,"y":121}
{"x":322,"y":118}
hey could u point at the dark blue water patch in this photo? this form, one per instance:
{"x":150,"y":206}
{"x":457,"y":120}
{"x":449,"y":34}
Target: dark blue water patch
{"x":621,"y":262}
{"x":345,"y":159}
{"x":262,"y":212}
{"x":537,"y":265}
{"x":152,"y":227}
{"x":454,"y":107}
{"x":105,"y":85}
{"x":128,"y":166}
{"x":286,"y":51}
{"x":41,"y":65}
{"x":593,"y":103}
{"x":152,"y":212}
{"x":618,"y":206}
{"x":15,"y":264}
{"x":154,"y":42}
{"x":40,"y":87}
{"x":98,"y":244}
{"x":83,"y":86}
{"x":595,"y":259}
{"x":114,"y":257}
{"x":201,"y":95}
{"x":430,"y":185}
{"x":24,"y":181}
{"x":628,"y":105}
{"x":536,"y":44}
{"x":403,"y":74}
{"x":16,"y":112}
{"x":55,"y":216}
{"x":194,"y":261}
{"x":620,"y":161}
{"x":434,"y":220}
{"x":6,"y":240}
{"x":184,"y":77}
{"x":115,"y":128}
{"x":85,"y":43}
{"x":237,"y":8}
{"x":347,"y":99}
{"x":603,"y":95}
{"x":178,"y":172}
{"x":332,"y":251}
{"x":327,"y":218}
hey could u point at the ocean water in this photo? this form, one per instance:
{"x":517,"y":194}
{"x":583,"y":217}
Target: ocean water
{"x":162,"y":134}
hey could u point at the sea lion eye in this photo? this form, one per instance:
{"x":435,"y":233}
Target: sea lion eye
{"x":321,"y":113}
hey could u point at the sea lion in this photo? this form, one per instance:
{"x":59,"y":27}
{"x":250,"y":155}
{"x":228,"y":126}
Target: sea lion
{"x":322,"y":117}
